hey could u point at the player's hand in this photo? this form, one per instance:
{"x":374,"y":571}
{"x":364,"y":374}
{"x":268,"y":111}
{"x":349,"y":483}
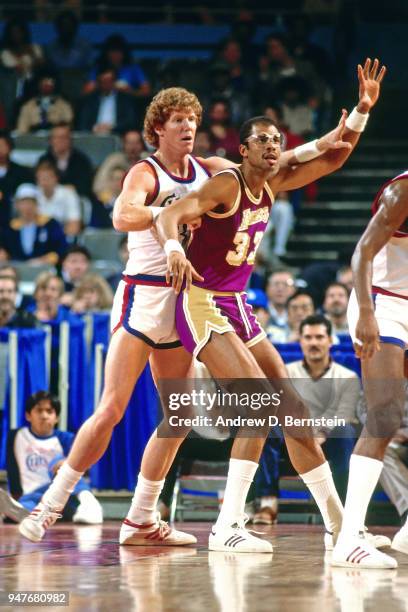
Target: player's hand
{"x":369,"y":81}
{"x":178,"y":268}
{"x":333,"y":139}
{"x":368,"y":336}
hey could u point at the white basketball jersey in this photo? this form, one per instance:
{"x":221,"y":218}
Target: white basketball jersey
{"x":146,"y":256}
{"x":390,"y":265}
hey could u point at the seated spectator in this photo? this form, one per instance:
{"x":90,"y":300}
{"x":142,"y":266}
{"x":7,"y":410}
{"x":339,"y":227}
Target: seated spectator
{"x":202,"y":144}
{"x":224,"y":137}
{"x":18,"y":53}
{"x":34,"y":455}
{"x":114,"y":185}
{"x":92,"y":294}
{"x":222,"y":87}
{"x":329,"y":390}
{"x":133,"y":149}
{"x":55,"y":200}
{"x":337,"y":398}
{"x":75,"y":265}
{"x":344,"y":276}
{"x":280,"y":286}
{"x":335,"y":307}
{"x":106,"y":109}
{"x":46,"y":108}
{"x":74,"y":167}
{"x":68,"y":50}
{"x":115,"y":54}
{"x":47,"y":299}
{"x":299,"y":306}
{"x":31,"y":236}
{"x":9,"y":271}
{"x":278,"y":63}
{"x":11,"y":176}
{"x":10,"y":315}
{"x":297,"y":113}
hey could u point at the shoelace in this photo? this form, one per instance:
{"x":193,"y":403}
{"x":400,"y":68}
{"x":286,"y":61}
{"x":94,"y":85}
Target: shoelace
{"x":241,"y":525}
{"x":163,"y":527}
{"x":46,"y":516}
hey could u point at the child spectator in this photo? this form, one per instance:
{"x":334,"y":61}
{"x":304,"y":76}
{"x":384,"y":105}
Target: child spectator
{"x":35,"y":454}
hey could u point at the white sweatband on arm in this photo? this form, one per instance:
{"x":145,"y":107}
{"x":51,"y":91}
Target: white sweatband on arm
{"x":357,"y":121}
{"x":307,"y":151}
{"x":173,"y":245}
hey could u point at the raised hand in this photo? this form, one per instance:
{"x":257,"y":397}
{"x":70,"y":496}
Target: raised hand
{"x":333,"y":139}
{"x":369,"y":79}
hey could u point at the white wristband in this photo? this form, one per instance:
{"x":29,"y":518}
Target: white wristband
{"x":307,"y":151}
{"x":173,"y":245}
{"x":357,"y":121}
{"x":155,"y":210}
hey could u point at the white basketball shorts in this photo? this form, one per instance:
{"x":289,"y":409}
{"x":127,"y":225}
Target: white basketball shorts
{"x":144,"y":305}
{"x":392,"y":317}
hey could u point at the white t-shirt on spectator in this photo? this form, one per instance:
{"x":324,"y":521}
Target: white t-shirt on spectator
{"x":64,"y":204}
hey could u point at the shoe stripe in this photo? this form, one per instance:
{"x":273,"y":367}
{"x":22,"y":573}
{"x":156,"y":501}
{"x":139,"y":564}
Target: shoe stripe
{"x":358,"y":549}
{"x":238,"y":541}
{"x":233,"y":541}
{"x":358,"y":556}
{"x":361,"y":551}
{"x":126,"y":521}
{"x":363,"y":557}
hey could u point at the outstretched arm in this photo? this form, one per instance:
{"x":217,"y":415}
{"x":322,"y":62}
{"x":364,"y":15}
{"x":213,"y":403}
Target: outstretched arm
{"x":369,"y":78}
{"x":392,"y":212}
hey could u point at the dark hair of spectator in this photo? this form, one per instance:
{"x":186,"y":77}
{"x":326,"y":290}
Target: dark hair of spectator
{"x":115,"y":42}
{"x":61,"y":124}
{"x":65,"y":17}
{"x":5,"y":135}
{"x":47,"y":165}
{"x":246,"y":128}
{"x":105,"y":69}
{"x":77,"y":248}
{"x":281,"y":37}
{"x":297,"y":294}
{"x":7,"y":269}
{"x":316,"y":319}
{"x":337,"y":284}
{"x":7,"y":40}
{"x":42,"y":396}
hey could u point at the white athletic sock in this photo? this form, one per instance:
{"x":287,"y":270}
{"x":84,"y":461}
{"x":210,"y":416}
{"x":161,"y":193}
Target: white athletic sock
{"x":321,"y":485}
{"x":268,"y":502}
{"x":144,"y":502}
{"x":240,"y":475}
{"x":63,"y":485}
{"x":364,"y":473}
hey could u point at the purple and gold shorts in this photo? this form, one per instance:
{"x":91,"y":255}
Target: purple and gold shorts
{"x":200,"y":312}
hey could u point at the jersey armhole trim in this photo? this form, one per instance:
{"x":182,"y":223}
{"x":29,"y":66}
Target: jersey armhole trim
{"x":235,"y":207}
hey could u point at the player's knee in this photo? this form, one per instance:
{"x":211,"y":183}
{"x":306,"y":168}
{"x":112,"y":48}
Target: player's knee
{"x":385,"y":416}
{"x":109,"y":412}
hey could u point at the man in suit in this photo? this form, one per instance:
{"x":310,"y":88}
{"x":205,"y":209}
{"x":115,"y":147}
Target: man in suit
{"x":107,"y":110}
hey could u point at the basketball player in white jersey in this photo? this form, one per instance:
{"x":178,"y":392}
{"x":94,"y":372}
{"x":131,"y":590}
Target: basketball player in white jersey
{"x":143,"y":316}
{"x":378,"y":322}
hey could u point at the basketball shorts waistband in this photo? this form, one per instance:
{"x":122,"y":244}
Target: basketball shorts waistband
{"x":149,"y":280}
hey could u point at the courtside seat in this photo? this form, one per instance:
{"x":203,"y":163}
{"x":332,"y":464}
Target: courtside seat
{"x":102,"y":243}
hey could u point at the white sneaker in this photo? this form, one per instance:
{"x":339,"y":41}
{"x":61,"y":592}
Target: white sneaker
{"x":378,"y":541}
{"x":236,"y":538}
{"x":356,"y":551}
{"x":157,"y":533}
{"x":89,"y":511}
{"x":34,"y":526}
{"x":400,"y":540}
